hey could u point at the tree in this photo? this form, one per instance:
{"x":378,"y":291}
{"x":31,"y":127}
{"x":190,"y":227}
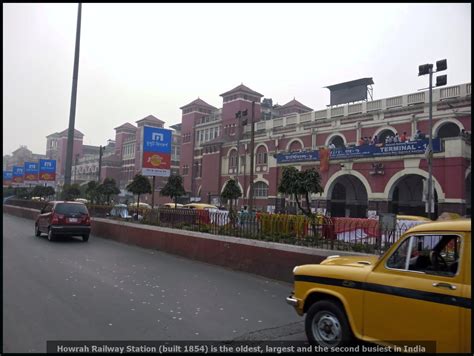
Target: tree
{"x":92,"y":192}
{"x":294,"y":182}
{"x":39,"y":191}
{"x":108,"y":188}
{"x":139,"y":185}
{"x":231,"y":191}
{"x":71,"y":192}
{"x":49,"y":191}
{"x":174,"y":188}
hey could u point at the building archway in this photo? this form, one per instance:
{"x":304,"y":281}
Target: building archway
{"x":448,"y":129}
{"x":347,"y":196}
{"x":406,"y":196}
{"x":384,"y":134}
{"x":337,"y":139}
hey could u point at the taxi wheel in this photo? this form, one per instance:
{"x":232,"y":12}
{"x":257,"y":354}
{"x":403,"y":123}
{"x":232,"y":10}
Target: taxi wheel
{"x":326,"y":325}
{"x":85,"y":238}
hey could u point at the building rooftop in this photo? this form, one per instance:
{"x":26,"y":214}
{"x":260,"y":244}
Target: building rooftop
{"x":295,"y":103}
{"x":126,"y":127}
{"x":150,"y":119}
{"x":198,"y":102}
{"x":242,"y":89}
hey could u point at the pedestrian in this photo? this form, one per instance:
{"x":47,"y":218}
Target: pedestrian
{"x":361,"y":141}
{"x":396,"y":139}
{"x":403,"y":137}
{"x":375,"y":140}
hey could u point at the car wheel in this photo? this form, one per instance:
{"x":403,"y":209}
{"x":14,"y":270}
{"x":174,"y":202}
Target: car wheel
{"x":326,"y":325}
{"x":37,"y":231}
{"x":50,"y":235}
{"x":85,"y":238}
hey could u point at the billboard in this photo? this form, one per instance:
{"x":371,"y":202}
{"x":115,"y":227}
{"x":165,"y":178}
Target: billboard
{"x":47,"y":170}
{"x":7,"y":178}
{"x":18,"y":173}
{"x":364,"y":151}
{"x":31,"y":172}
{"x":156,"y":152}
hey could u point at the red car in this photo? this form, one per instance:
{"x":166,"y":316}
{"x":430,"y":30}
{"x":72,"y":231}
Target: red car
{"x":64,"y":218}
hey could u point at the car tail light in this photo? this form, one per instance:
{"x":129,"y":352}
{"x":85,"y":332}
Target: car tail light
{"x":55,"y":218}
{"x":87,"y":220}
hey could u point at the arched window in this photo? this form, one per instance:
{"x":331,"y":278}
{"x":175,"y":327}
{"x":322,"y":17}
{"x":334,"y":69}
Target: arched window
{"x":261,"y":155}
{"x":295,"y":146}
{"x":337,"y":141}
{"x":449,"y":129}
{"x":260,"y":190}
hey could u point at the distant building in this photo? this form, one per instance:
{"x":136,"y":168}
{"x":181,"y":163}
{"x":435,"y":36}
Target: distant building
{"x":121,"y":158}
{"x":19,"y":157}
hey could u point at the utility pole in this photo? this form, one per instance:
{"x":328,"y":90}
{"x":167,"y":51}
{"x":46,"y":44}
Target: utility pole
{"x":252,"y":134}
{"x":440,"y":81}
{"x":153,"y":194}
{"x":72,"y":113}
{"x":100,"y":160}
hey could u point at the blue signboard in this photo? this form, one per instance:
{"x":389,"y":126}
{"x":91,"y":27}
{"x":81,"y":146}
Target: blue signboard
{"x":31,"y":172}
{"x":156,"y":139}
{"x":156,"y":151}
{"x":47,"y":170}
{"x":364,"y":151}
{"x":7,"y":175}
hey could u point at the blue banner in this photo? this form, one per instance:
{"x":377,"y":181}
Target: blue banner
{"x":7,"y":175}
{"x":364,"y":151}
{"x":156,"y":139}
{"x":47,"y":165}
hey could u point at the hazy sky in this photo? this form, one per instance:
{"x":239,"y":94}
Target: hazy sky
{"x":142,"y":59}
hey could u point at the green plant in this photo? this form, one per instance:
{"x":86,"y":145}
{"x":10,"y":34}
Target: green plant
{"x":174,"y":188}
{"x":139,"y":185}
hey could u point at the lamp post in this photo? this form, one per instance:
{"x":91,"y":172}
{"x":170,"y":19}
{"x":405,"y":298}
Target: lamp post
{"x":238,"y":115}
{"x":101,"y":150}
{"x":441,"y":80}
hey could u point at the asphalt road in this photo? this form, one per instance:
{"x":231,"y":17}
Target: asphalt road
{"x":105,"y":290}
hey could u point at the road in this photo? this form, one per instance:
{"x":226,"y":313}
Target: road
{"x":105,"y":290}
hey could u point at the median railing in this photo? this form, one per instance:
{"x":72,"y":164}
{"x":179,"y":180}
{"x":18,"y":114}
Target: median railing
{"x":338,"y":233}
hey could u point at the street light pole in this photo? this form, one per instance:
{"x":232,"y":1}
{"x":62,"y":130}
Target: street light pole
{"x":72,"y":113}
{"x":252,"y":135}
{"x":440,"y":80}
{"x":430,"y":146}
{"x":100,"y":160}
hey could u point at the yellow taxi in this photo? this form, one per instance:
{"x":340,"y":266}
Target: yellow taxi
{"x":412,"y":218}
{"x":415,"y":297}
{"x":200,"y":206}
{"x":172,"y":205}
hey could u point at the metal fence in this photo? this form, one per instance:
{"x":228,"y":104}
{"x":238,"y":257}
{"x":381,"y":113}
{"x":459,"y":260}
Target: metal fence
{"x":361,"y":235}
{"x":348,"y":234}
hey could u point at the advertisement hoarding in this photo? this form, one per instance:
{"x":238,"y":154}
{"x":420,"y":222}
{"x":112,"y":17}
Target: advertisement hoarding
{"x":18,"y":173}
{"x":364,"y":151}
{"x":31,"y":172}
{"x":7,"y":178}
{"x":156,"y":152}
{"x":47,"y":170}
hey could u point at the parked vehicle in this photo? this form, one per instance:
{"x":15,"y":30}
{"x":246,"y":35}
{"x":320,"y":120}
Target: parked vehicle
{"x":172,"y":205}
{"x":82,"y":200}
{"x":200,"y":206}
{"x":64,"y":218}
{"x":420,"y":289}
{"x":120,"y":211}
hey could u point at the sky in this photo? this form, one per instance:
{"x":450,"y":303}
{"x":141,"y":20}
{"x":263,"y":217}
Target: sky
{"x":150,"y":59}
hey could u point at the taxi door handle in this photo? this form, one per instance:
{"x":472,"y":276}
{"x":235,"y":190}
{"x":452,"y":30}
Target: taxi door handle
{"x":444,"y":285}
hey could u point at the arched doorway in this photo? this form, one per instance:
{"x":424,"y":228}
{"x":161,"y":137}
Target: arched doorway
{"x":338,"y":141}
{"x":384,"y":134}
{"x":348,"y":197}
{"x":407,"y":197}
{"x":449,"y":129}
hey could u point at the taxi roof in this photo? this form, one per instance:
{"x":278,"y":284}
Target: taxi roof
{"x":446,"y":225}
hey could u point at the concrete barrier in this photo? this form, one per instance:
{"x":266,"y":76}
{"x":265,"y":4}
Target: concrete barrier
{"x":269,"y":259}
